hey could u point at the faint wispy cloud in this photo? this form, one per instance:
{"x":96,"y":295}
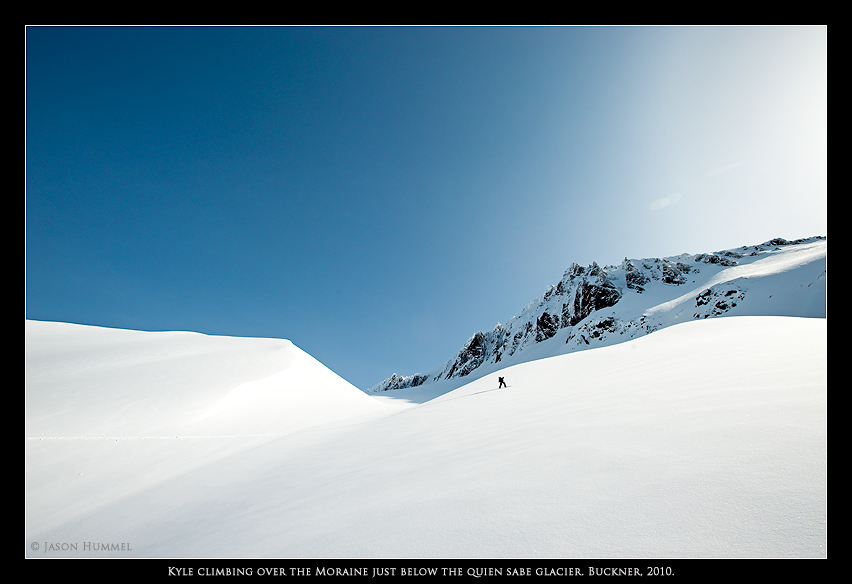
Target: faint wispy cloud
{"x":665,"y":202}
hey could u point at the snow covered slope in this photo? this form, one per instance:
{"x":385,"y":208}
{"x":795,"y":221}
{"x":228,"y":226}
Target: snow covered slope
{"x":86,"y":381}
{"x":705,"y":439}
{"x":596,"y":306}
{"x":109,"y":411}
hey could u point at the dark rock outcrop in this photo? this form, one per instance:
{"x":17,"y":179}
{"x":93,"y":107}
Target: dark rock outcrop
{"x":591,"y":297}
{"x":469,"y":358}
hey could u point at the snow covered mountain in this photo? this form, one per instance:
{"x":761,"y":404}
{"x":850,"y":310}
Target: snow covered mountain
{"x":705,"y":439}
{"x":595,"y":306}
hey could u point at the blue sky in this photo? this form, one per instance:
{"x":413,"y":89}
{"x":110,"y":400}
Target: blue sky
{"x":379,"y":194}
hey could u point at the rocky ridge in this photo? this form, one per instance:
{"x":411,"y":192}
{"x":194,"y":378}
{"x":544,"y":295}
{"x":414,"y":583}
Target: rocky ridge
{"x":595,"y":306}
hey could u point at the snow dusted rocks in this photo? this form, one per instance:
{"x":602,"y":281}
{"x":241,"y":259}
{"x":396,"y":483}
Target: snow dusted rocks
{"x":717,"y":302}
{"x":593,"y":292}
{"x":596,"y":306}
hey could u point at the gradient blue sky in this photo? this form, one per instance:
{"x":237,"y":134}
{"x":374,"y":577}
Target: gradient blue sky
{"x":379,"y":194}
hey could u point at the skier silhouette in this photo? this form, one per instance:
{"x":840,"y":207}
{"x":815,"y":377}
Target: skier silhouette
{"x":502,"y":383}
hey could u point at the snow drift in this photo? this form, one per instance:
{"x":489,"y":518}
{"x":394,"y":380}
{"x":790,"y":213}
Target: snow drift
{"x":108,"y":412}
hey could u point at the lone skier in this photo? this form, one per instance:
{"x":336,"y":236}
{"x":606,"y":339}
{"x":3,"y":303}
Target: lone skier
{"x":502,"y":383}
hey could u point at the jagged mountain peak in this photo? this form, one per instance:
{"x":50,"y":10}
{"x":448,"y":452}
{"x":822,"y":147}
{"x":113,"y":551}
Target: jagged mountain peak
{"x":593,"y":306}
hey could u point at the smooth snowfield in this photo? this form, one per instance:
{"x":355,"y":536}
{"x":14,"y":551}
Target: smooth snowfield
{"x":705,"y":439}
